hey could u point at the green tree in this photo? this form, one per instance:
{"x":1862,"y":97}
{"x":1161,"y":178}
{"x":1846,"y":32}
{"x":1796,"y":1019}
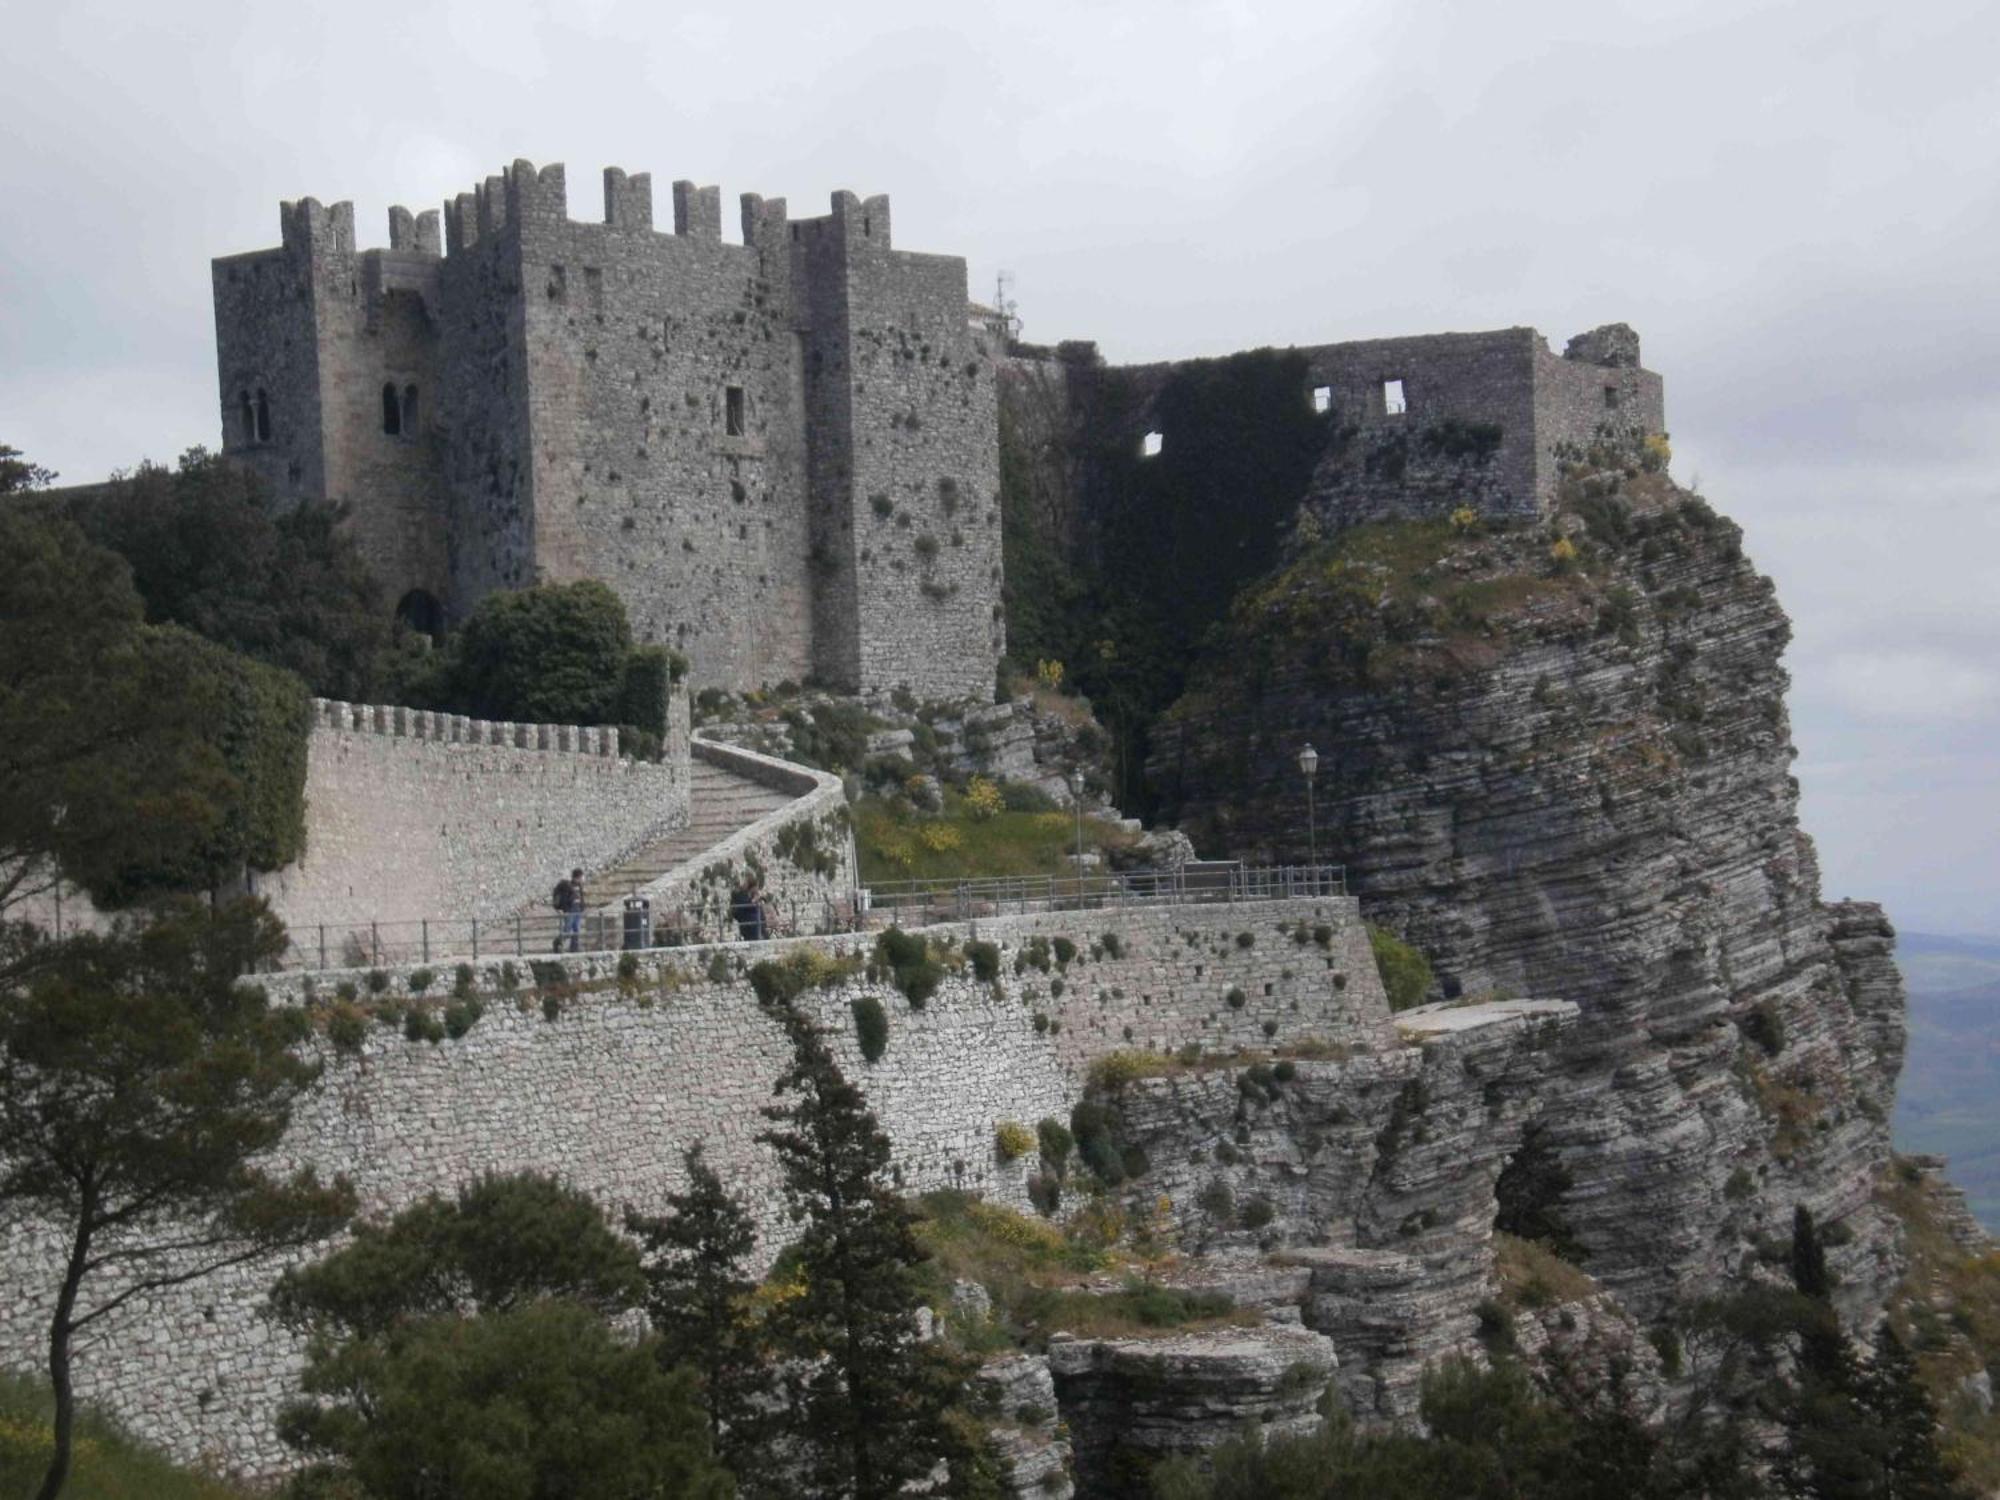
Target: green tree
{"x":465,"y":1348}
{"x":698,"y":1297}
{"x":131,"y":757}
{"x":1406,"y":973}
{"x":17,"y":474}
{"x":869,"y":1402}
{"x":139,"y":1079}
{"x":211,"y":550}
{"x":555,"y":654}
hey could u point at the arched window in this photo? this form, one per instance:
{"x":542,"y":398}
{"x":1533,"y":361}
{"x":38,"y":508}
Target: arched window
{"x":392,"y":411}
{"x":263,"y":416}
{"x":247,"y":415}
{"x":409,"y":411}
{"x":421,"y":611}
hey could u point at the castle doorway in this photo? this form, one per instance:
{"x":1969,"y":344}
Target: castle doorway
{"x":420,"y":611}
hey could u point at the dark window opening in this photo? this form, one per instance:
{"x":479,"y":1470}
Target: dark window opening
{"x":392,"y":411}
{"x":593,"y":287}
{"x":732,"y":411}
{"x":247,"y":413}
{"x":1322,"y":398}
{"x":867,"y":225}
{"x":1611,"y":398}
{"x":558,"y":284}
{"x":409,"y":411}
{"x":1394,"y":404}
{"x":421,"y":612}
{"x":263,"y":416}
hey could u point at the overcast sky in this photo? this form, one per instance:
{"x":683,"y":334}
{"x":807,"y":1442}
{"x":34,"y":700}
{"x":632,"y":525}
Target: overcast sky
{"x":1798,"y":206}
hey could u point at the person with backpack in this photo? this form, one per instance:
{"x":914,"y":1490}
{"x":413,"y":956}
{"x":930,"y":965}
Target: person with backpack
{"x":748,"y":911}
{"x":568,"y":899}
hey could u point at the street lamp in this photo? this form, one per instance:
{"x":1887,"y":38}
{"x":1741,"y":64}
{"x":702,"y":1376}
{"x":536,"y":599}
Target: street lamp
{"x":1309,"y":767}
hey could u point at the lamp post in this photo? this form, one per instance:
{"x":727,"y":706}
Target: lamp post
{"x":1309,"y":767}
{"x":1076,"y":801}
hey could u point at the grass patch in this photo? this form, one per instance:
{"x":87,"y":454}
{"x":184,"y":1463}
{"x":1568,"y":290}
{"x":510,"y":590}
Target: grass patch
{"x":896,"y":842}
{"x":1532,"y":1275}
{"x":108,"y":1465}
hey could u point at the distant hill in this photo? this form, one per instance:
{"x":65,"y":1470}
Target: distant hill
{"x":1949,"y":1101}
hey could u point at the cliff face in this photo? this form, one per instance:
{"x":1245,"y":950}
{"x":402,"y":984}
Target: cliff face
{"x":1557,"y":760}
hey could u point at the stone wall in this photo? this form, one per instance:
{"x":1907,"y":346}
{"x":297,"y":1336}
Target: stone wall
{"x":414,"y":815}
{"x":627,"y":1073}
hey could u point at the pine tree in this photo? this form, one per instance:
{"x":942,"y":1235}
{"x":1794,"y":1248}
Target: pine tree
{"x":1893,"y":1402}
{"x":869,"y":1401}
{"x":698,"y":1294}
{"x":1809,"y":1273}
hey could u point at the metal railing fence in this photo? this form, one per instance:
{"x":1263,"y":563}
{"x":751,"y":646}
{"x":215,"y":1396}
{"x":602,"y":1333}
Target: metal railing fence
{"x":910,"y":903}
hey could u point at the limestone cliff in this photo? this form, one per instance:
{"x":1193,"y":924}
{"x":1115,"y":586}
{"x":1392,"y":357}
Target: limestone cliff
{"x":1556,"y":758}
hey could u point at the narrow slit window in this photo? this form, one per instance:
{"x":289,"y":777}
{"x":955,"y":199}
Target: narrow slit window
{"x":409,"y":411}
{"x":1394,"y":404}
{"x":392,"y":411}
{"x":247,"y":412}
{"x":263,"y":416}
{"x":1151,"y":444}
{"x":1322,"y":398}
{"x":1611,"y":398}
{"x":732,"y":411}
{"x":593,"y":288}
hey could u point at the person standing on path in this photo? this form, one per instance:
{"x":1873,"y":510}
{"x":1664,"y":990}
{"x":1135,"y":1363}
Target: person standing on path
{"x":570,"y":902}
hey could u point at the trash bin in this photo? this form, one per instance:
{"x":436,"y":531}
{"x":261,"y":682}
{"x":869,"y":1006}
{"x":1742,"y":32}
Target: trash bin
{"x":638,"y":922}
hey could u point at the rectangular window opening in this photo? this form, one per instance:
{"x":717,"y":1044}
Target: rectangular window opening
{"x":1151,"y":444}
{"x":1611,"y":398}
{"x":1322,"y":398}
{"x":732,"y":411}
{"x":1393,"y":402}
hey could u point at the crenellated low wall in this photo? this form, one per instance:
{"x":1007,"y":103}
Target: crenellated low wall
{"x":412,"y":814}
{"x":634,"y":1068}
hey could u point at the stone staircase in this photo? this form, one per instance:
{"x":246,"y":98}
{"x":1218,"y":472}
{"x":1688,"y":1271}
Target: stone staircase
{"x":720,"y":802}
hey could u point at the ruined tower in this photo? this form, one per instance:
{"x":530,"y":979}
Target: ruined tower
{"x":782,"y":454}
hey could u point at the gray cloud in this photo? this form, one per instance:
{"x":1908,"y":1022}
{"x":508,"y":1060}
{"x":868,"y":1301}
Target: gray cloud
{"x":1795,"y":203}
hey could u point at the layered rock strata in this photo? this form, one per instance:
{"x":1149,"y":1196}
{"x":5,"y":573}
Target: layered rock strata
{"x":1557,"y":760}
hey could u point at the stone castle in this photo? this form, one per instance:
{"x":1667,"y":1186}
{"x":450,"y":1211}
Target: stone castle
{"x":782,"y":454}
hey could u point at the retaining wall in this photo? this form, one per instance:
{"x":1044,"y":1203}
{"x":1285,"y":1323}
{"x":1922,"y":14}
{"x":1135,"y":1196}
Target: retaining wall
{"x":628,"y":1073}
{"x":413,"y":814}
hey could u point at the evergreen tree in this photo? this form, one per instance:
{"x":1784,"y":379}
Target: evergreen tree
{"x":1809,"y":1273}
{"x":140,"y":1079}
{"x":698,"y":1294}
{"x":869,"y":1402}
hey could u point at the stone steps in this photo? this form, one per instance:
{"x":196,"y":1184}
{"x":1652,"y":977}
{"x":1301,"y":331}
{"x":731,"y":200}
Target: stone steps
{"x":720,"y":803}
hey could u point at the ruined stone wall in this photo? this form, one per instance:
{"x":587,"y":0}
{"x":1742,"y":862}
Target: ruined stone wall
{"x":415,"y":815}
{"x":608,"y":1093}
{"x":1595,"y":384}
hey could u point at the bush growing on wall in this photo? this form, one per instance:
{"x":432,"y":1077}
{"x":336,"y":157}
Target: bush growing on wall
{"x":871,"y":1027}
{"x":911,"y":968}
{"x":1406,"y":973}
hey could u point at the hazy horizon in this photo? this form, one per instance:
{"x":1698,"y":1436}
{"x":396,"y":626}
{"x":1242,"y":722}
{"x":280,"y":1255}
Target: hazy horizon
{"x":1794,"y":204}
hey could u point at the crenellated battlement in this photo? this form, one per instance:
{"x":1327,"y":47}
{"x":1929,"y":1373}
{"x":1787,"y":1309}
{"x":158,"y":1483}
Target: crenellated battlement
{"x":397,"y":722}
{"x":311,"y":228}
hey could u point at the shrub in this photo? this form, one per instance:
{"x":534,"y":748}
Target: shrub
{"x":628,"y":967}
{"x":420,"y":980}
{"x":552,"y":654}
{"x":1065,"y":952}
{"x":983,"y":799}
{"x":551,"y":1006}
{"x":461,"y":1016}
{"x":462,"y":979}
{"x":1236,"y":998}
{"x":1011,"y":1140}
{"x":1284,"y":1070}
{"x":345,"y":990}
{"x":907,"y":958}
{"x":1246,"y":939}
{"x":1406,"y":973}
{"x":1095,"y":1127}
{"x":1056,"y":1143}
{"x":1258,"y":1213}
{"x":647,"y":686}
{"x":1041,"y":1023}
{"x":1113,"y":944}
{"x":1134,"y":1160}
{"x":346,"y":1028}
{"x":871,"y":1027}
{"x":422,"y":1026}
{"x":1740,"y":1185}
{"x":985,"y":961}
{"x":1323,"y":935}
{"x":377,"y":981}
{"x":1217,"y":1200}
{"x":1025,"y":797}
{"x":1270,"y":1028}
{"x":1045,"y":1192}
{"x":548,"y":973}
{"x":1763,"y":1025}
{"x":1114,"y":1070}
{"x":510,"y":977}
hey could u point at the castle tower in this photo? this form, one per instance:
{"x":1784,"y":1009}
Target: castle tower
{"x":782,"y":454}
{"x":328,"y":367}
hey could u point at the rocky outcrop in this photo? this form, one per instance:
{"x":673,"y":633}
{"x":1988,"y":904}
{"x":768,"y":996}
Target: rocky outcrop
{"x":1130,"y":1403}
{"x":1017,"y":1396}
{"x":1557,"y":760}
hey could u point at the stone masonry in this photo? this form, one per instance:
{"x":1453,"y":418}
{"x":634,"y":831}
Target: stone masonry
{"x":632,"y":1068}
{"x":782,"y":454}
